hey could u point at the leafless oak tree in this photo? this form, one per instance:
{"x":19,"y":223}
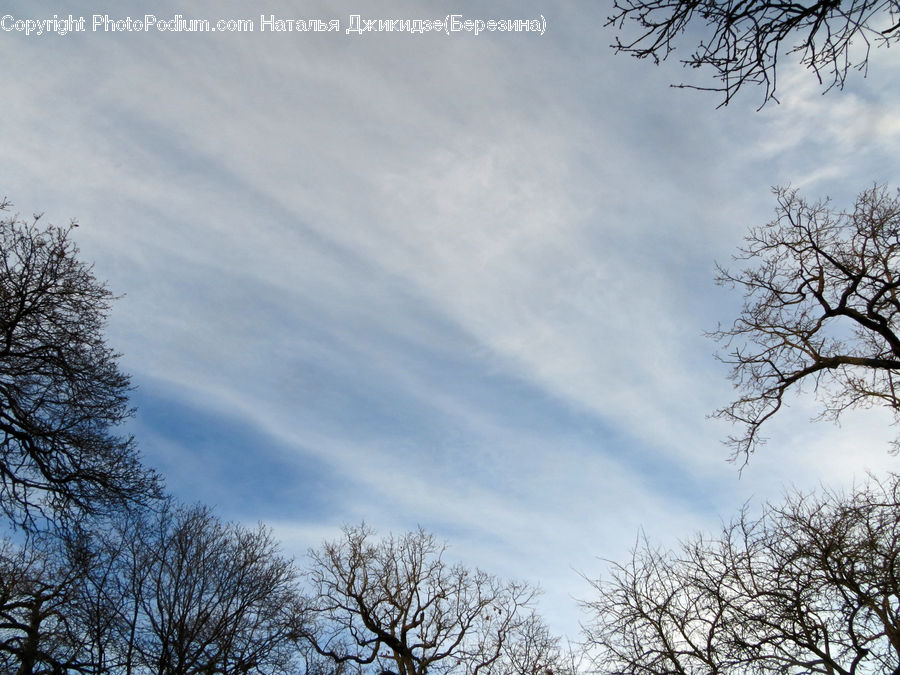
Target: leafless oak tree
{"x":811,"y":586}
{"x":821,"y":309}
{"x":61,"y":392}
{"x":396,"y":603}
{"x":742,"y":41}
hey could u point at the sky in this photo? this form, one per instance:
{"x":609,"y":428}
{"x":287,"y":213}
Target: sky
{"x":454,"y":281}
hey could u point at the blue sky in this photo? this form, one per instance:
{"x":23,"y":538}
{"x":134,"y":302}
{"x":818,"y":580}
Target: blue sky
{"x":453,"y":281}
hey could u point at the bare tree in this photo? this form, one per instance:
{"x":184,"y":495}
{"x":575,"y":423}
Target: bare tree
{"x":111,"y":589}
{"x":210,"y":598}
{"x":821,"y":309}
{"x":39,"y":633}
{"x":61,"y":392}
{"x":175,"y":592}
{"x":396,"y":603}
{"x":811,"y":586}
{"x":533,"y":650}
{"x":743,"y":41}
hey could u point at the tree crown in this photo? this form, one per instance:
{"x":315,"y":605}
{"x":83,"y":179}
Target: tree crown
{"x":821,"y":308}
{"x":61,"y":391}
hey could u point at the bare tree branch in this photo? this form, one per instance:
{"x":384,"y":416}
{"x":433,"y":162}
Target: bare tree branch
{"x":742,"y":40}
{"x":821,"y":309}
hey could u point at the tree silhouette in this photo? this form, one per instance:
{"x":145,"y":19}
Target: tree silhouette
{"x":396,"y":600}
{"x":822,"y":309}
{"x":741,"y":42}
{"x":61,"y":392}
{"x":810,"y":586}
